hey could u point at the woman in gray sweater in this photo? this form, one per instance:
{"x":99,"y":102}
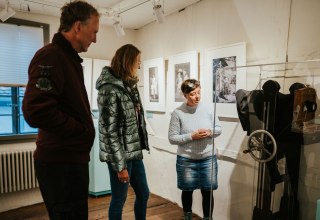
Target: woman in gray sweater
{"x":193,"y":127}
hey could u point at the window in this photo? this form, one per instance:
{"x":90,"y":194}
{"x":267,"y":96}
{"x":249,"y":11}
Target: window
{"x":11,"y":115}
{"x":19,"y":40}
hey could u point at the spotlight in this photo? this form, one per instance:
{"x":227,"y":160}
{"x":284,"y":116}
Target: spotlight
{"x":6,"y":13}
{"x":158,"y":12}
{"x":118,"y":28}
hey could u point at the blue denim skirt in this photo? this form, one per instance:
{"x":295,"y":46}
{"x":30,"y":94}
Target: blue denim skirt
{"x":196,"y":174}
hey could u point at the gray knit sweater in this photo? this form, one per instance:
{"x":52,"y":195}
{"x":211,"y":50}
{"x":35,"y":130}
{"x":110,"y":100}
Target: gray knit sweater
{"x":184,"y":121}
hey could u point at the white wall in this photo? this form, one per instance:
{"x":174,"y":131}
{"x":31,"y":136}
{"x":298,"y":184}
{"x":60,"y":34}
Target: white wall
{"x":264,"y":26}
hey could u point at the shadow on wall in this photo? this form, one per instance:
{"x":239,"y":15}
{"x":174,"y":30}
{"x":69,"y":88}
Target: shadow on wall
{"x":309,"y":179}
{"x":309,"y":184}
{"x":241,"y":186}
{"x":233,"y":199}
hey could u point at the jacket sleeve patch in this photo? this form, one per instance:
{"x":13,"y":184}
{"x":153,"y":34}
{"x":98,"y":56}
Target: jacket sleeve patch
{"x":43,"y":82}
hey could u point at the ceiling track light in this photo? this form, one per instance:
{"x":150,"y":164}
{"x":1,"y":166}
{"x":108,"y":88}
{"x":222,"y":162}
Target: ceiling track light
{"x":118,"y":27}
{"x":114,"y":16}
{"x":158,"y":11}
{"x":6,"y":13}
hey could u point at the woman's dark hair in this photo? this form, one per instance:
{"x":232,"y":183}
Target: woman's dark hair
{"x":123,"y":61}
{"x":189,"y":85}
{"x":75,"y":11}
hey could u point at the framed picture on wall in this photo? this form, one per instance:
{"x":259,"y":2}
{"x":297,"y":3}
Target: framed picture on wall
{"x":181,"y":66}
{"x":221,"y":77}
{"x":154,"y":85}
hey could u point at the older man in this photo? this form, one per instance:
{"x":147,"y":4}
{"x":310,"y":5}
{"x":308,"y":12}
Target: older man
{"x":56,"y":102}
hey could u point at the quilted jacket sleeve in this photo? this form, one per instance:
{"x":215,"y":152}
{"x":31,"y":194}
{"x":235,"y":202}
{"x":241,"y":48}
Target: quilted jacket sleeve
{"x":110,"y":128}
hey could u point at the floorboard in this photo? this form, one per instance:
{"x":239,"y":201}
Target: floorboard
{"x":158,"y":209}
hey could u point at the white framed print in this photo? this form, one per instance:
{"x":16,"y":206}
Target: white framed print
{"x":220,"y":79}
{"x":154,"y":85}
{"x":181,"y":66}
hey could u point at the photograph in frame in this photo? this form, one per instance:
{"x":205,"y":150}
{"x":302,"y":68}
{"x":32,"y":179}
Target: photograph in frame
{"x":221,"y":77}
{"x":154,"y":85}
{"x":181,"y":66}
{"x":224,"y":79}
{"x":182,"y":73}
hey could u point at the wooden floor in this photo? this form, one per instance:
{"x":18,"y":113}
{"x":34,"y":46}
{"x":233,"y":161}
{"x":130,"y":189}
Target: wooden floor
{"x":158,"y":208}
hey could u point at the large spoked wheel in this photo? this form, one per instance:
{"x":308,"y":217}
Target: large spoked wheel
{"x":261,"y":146}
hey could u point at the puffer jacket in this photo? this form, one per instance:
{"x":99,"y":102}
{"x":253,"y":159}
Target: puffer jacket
{"x":121,"y":137}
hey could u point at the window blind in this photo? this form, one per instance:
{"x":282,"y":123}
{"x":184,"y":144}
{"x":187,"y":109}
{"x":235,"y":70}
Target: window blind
{"x":18,"y":45}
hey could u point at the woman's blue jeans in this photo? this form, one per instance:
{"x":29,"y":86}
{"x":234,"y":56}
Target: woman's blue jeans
{"x":119,"y":191}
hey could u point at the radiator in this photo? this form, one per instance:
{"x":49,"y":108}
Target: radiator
{"x":17,"y":171}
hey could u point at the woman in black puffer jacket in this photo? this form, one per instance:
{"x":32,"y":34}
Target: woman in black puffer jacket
{"x":122,"y":130}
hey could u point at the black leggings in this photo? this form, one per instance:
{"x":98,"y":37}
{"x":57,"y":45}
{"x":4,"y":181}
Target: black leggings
{"x":186,"y":198}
